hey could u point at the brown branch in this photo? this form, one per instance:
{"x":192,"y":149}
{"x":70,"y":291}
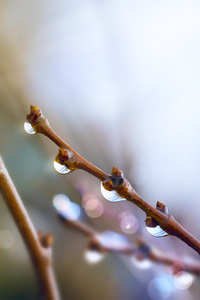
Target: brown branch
{"x":38,"y":245}
{"x":93,"y":238}
{"x":142,"y":250}
{"x":115,"y":181}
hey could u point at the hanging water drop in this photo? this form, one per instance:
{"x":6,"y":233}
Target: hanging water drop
{"x":29,"y":128}
{"x":61,"y":169}
{"x":112,"y":196}
{"x":156,"y":231}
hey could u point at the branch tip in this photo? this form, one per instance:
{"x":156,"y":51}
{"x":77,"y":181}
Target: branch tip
{"x":35,"y":113}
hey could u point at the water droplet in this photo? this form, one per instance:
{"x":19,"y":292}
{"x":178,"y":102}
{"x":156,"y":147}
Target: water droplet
{"x":29,"y":128}
{"x":183,"y":280}
{"x":67,"y":209}
{"x":61,"y":169}
{"x":128,"y":222}
{"x":112,"y":196}
{"x":114,"y":241}
{"x":93,"y":256}
{"x":156,"y":231}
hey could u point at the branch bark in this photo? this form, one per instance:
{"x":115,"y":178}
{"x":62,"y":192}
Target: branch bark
{"x":115,"y":181}
{"x":38,"y":246}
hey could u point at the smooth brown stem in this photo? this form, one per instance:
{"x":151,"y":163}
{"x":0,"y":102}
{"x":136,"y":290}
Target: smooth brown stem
{"x":115,"y":181}
{"x":79,"y":226}
{"x":41,"y":256}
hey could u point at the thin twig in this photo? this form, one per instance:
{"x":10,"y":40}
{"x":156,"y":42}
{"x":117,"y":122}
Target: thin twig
{"x":38,"y":245}
{"x":115,"y":181}
{"x":142,"y":250}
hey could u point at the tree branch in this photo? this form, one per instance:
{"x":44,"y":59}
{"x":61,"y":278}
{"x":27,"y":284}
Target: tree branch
{"x":115,"y":181}
{"x":142,"y":250}
{"x":38,"y":245}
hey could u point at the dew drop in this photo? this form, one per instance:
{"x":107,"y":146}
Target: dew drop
{"x":156,"y":231}
{"x":67,"y":209}
{"x":112,"y":196}
{"x":29,"y":128}
{"x":61,"y":169}
{"x":93,"y":256}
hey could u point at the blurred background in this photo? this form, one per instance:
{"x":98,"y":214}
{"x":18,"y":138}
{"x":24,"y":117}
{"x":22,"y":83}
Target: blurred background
{"x":119,"y":81}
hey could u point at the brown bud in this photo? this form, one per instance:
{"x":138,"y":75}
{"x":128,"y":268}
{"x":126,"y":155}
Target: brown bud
{"x":161,"y":207}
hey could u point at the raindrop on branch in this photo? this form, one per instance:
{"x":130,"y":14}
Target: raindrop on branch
{"x":61,"y":169}
{"x":156,"y":231}
{"x":29,"y":128}
{"x":112,"y":196}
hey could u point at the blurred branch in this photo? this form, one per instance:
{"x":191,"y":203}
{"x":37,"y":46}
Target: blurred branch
{"x":142,"y":250}
{"x":38,"y":244}
{"x":156,"y":217}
